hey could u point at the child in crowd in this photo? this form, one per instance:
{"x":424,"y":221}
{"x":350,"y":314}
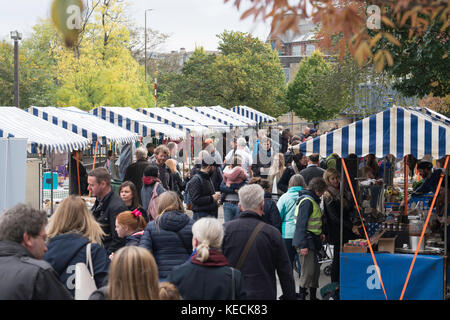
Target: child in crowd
{"x":234,"y":174}
{"x":130,"y":225}
{"x":167,"y":291}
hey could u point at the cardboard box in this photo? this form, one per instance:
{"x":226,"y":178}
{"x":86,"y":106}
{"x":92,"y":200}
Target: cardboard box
{"x":354,"y":249}
{"x":386,"y":245}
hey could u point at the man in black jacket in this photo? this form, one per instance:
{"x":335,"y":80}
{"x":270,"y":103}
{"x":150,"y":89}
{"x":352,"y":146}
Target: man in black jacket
{"x":135,"y":171}
{"x":23,"y":273}
{"x":267,"y":254}
{"x":201,"y":190}
{"x":106,"y":208}
{"x":313,"y":170}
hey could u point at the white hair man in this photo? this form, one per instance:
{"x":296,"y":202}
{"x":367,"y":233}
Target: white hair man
{"x":264,"y":251}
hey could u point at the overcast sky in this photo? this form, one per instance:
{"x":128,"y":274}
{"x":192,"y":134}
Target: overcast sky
{"x":189,"y":23}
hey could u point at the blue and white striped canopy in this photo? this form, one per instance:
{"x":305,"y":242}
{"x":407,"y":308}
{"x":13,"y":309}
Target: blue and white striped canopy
{"x":175,"y":120}
{"x":396,"y":131}
{"x":253,"y":114}
{"x":432,"y":114}
{"x":222,"y":118}
{"x":137,"y":122}
{"x":42,"y":135}
{"x":84,"y":124}
{"x":234,"y":115}
{"x":190,"y":114}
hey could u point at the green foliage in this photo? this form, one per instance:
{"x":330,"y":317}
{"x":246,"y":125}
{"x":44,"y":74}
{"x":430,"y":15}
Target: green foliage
{"x":246,"y":72}
{"x":421,"y":62}
{"x":302,"y":94}
{"x":100,"y":70}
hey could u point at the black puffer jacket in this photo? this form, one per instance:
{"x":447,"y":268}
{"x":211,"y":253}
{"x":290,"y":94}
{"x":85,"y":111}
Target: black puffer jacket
{"x":200,"y":191}
{"x":161,"y":239}
{"x":24,"y":278}
{"x":105,"y":212}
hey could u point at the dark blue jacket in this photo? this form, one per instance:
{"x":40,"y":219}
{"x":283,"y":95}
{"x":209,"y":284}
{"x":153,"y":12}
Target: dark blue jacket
{"x":134,"y":239}
{"x":207,"y":280}
{"x":302,"y":238}
{"x":106,"y":212}
{"x":66,"y":250}
{"x":266,"y":258}
{"x":161,"y":239}
{"x":430,"y":183}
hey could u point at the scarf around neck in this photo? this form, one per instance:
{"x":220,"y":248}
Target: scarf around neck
{"x":215,"y":259}
{"x":150,"y":180}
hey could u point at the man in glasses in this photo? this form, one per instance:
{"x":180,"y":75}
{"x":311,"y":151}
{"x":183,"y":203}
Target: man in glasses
{"x":23,"y":273}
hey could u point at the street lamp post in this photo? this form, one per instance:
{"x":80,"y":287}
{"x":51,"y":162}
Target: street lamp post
{"x":145,"y":41}
{"x":16,"y":36}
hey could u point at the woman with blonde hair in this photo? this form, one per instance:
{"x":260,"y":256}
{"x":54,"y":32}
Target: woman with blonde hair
{"x":169,"y":236}
{"x":71,"y":228}
{"x":133,"y":276}
{"x":332,"y":218}
{"x":178,"y":183}
{"x":207,"y":276}
{"x":276,"y":170}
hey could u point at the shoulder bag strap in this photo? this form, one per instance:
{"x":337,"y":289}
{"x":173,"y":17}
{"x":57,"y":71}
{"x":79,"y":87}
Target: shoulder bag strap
{"x":184,"y":243}
{"x":233,"y":285}
{"x":249,"y":244}
{"x":89,"y":259}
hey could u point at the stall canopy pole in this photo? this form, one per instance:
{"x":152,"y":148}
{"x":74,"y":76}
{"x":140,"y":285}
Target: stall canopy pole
{"x":341,"y":191}
{"x":364,"y":228}
{"x":405,"y":173}
{"x":78,"y":174}
{"x":424,"y":228}
{"x":51,"y":181}
{"x":95,"y":156}
{"x":445,"y":232}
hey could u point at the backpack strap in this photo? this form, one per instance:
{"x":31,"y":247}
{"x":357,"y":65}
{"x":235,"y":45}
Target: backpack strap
{"x":249,"y":244}
{"x":188,"y":249}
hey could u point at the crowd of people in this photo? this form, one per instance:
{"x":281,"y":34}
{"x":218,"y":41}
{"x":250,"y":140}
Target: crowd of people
{"x":160,"y":237}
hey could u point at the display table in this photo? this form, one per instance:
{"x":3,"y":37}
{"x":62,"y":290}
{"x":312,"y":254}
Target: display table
{"x":359,"y":279}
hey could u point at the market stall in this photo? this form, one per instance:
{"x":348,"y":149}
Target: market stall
{"x":43,"y":139}
{"x":223,"y":118}
{"x":253,"y":114}
{"x":234,"y":115}
{"x":135,"y":121}
{"x":100,"y":133}
{"x":403,"y":226}
{"x":190,"y":114}
{"x":190,"y":126}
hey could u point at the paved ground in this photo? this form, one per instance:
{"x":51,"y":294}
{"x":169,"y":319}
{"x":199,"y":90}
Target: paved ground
{"x":323,"y":280}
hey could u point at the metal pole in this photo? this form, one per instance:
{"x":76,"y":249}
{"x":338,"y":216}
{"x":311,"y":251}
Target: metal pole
{"x":16,"y":73}
{"x":145,"y":50}
{"x":342,"y":205}
{"x":445,"y":231}
{"x":51,"y":182}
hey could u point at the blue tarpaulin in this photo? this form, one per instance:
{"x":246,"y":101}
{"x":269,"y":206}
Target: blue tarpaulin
{"x":359,"y":279}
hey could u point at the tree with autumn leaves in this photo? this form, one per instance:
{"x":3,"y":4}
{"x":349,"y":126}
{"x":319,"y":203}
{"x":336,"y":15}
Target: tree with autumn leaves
{"x":411,"y":43}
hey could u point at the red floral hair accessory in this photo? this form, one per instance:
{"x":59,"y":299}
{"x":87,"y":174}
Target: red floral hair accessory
{"x":136,"y":213}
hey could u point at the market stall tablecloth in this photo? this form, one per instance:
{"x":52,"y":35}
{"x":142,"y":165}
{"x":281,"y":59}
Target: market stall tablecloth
{"x":359,"y":279}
